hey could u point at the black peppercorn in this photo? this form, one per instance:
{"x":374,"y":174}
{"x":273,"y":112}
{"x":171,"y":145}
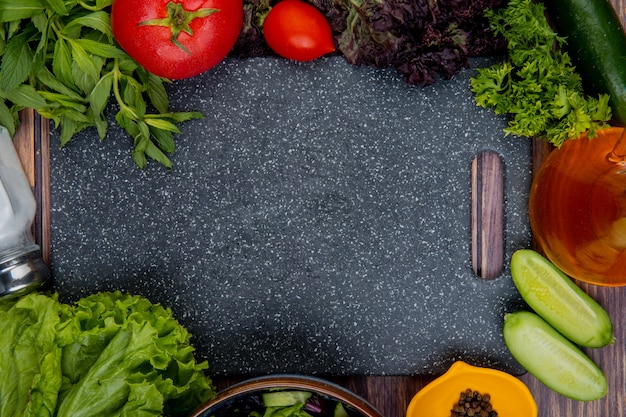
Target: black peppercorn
{"x":473,"y":404}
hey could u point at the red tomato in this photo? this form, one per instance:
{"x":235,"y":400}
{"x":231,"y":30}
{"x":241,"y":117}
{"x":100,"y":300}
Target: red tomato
{"x":177,"y":38}
{"x":297,"y":30}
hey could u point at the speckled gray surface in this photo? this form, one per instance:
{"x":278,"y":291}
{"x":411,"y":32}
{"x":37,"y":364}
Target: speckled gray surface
{"x":316,"y":221}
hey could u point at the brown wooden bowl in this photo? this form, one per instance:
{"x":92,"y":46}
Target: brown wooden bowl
{"x":277,"y":382}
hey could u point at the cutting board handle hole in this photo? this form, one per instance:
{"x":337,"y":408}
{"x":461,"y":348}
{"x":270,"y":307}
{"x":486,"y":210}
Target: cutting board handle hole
{"x":487,"y":214}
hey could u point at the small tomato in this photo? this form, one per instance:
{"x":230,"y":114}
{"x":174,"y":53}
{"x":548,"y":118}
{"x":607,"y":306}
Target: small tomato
{"x":297,"y":30}
{"x":177,"y":38}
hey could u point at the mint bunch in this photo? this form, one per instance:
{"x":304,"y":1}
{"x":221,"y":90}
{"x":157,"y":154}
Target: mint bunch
{"x":61,"y":59}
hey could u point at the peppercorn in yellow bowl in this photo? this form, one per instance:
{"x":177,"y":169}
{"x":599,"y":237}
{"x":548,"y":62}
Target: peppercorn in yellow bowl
{"x":506,"y":394}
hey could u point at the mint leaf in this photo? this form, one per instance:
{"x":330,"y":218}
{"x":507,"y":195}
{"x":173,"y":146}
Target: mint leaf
{"x":12,"y":10}
{"x":16,"y":61}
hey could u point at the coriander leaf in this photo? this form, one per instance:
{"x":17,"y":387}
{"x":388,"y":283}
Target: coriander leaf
{"x":536,"y":86}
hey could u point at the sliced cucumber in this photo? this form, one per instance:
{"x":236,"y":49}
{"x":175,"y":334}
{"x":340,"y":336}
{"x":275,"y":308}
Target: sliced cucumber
{"x":340,"y":410}
{"x":559,"y":301}
{"x":551,"y":358}
{"x":285,"y":398}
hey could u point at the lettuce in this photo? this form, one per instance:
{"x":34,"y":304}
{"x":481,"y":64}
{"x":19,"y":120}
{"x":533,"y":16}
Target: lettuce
{"x":110,"y":354}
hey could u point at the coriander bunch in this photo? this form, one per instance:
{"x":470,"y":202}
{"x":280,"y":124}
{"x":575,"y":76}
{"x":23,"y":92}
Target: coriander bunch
{"x":60,"y":58}
{"x":537,"y":85}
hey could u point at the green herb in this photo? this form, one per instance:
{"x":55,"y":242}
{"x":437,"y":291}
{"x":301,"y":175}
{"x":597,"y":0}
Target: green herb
{"x":537,"y":86}
{"x":60,"y":58}
{"x":110,"y":354}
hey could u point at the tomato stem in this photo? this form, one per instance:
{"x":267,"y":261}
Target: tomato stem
{"x":178,"y":20}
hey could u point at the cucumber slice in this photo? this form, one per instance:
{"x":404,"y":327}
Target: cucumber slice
{"x":285,"y":398}
{"x":340,"y":410}
{"x":553,"y":360}
{"x":559,"y":301}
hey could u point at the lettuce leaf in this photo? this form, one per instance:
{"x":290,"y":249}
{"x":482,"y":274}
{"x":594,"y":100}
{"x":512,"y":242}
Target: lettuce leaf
{"x":110,"y":354}
{"x":30,"y":375}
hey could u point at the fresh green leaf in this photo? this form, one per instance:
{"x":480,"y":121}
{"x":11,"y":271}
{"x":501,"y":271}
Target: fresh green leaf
{"x":99,"y":96}
{"x":58,"y":6}
{"x":156,"y":90}
{"x":110,"y":354}
{"x":536,"y":86}
{"x":84,"y":60}
{"x":162,"y":124}
{"x":99,"y":48}
{"x":50,"y":82}
{"x":7,"y":118}
{"x":12,"y":10}
{"x":157,"y":154}
{"x":62,"y":62}
{"x":25,"y":96}
{"x":99,"y":20}
{"x":164,"y":140}
{"x":16,"y":61}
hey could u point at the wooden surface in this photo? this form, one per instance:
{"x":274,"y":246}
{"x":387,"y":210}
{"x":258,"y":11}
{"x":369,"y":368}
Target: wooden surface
{"x":390,"y":394}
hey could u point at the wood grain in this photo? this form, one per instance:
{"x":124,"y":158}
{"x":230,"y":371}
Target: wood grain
{"x":391,"y":394}
{"x":487,"y":214}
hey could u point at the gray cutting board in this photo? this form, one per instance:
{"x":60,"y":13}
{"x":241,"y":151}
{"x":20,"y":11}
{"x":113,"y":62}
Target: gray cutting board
{"x":316,"y":221}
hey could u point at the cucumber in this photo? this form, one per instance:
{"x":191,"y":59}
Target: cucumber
{"x":596,"y":44}
{"x":285,"y":398}
{"x":340,"y":410}
{"x":551,"y":358}
{"x":559,"y":301}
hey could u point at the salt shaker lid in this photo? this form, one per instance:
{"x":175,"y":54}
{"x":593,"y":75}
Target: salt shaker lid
{"x":22,"y":274}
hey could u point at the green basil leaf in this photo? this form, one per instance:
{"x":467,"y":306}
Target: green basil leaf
{"x":62,"y":62}
{"x":99,"y":48}
{"x":25,"y":96}
{"x":12,"y":10}
{"x":100,"y":21}
{"x":16,"y":62}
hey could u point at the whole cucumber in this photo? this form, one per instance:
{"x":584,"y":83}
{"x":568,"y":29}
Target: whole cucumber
{"x":596,"y":44}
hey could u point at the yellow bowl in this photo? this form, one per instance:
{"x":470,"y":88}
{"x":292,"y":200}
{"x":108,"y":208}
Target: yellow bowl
{"x":509,"y":396}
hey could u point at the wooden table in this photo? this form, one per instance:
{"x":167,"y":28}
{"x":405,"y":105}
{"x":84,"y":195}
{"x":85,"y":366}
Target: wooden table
{"x":390,"y":394}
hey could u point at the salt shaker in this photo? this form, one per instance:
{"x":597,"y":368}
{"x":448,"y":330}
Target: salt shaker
{"x":22,"y":268}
